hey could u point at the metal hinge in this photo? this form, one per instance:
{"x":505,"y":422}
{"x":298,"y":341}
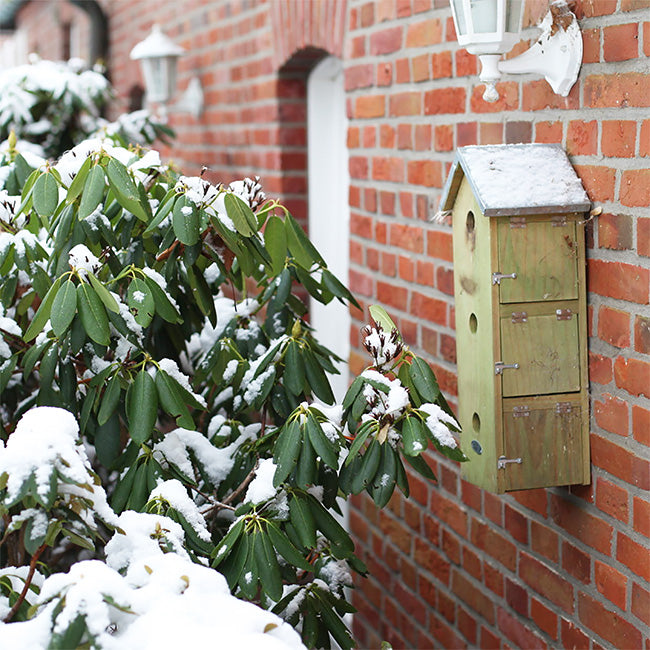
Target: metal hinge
{"x":502,"y":461}
{"x":499,"y":367}
{"x":519,"y":317}
{"x":517,"y":222}
{"x":563,"y":314}
{"x":563,"y":408}
{"x":520,"y":411}
{"x":497,"y":277}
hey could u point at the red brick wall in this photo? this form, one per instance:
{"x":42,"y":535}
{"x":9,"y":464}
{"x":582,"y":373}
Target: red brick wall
{"x":454,"y":566}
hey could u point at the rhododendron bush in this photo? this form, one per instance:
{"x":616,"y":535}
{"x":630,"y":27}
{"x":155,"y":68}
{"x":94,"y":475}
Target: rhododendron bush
{"x":169,"y":435}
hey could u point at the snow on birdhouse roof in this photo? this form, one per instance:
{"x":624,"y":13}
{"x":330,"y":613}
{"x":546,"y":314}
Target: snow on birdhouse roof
{"x":517,"y":179}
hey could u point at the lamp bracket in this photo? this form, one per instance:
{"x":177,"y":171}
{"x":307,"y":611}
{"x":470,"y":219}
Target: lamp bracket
{"x":557,"y":55}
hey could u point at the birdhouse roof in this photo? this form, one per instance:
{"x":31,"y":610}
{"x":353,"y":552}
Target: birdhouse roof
{"x":517,"y":179}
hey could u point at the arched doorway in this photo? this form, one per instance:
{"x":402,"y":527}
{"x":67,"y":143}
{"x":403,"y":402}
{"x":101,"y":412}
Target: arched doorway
{"x":329,"y":212}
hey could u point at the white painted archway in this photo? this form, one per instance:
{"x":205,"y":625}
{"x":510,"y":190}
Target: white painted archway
{"x":329,"y":211}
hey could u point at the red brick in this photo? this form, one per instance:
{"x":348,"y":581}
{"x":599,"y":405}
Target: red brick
{"x":361,"y":283}
{"x":410,"y":238}
{"x":369,"y":106}
{"x":644,"y":136}
{"x":466,"y":625}
{"x":641,"y":425}
{"x":582,"y":138}
{"x":493,"y":579}
{"x":641,"y":603}
{"x":386,"y":41}
{"x":600,"y":368}
{"x":466,"y":63}
{"x":538,"y":95}
{"x":621,"y":42}
{"x":619,"y":280}
{"x":615,"y":231}
{"x":422,"y":137}
{"x":406,"y":268}
{"x":402,"y":71}
{"x":642,"y":334}
{"x":548,"y":132}
{"x":441,"y":65}
{"x":535,"y":500}
{"x":607,"y":624}
{"x":599,"y":182}
{"x":620,"y":462}
{"x":451,"y":546}
{"x":359,"y":76}
{"x":545,"y":619}
{"x":370,"y":199}
{"x":444,"y":141}
{"x":408,"y":103}
{"x":618,"y":138}
{"x":425,"y":172}
{"x":447,"y":100}
{"x":444,"y":634}
{"x":611,"y":583}
{"x":470,"y":594}
{"x":633,"y":375}
{"x":445,"y":283}
{"x":641,"y":517}
{"x":424,"y":33}
{"x":576,"y":562}
{"x":388,"y":262}
{"x":614,"y":90}
{"x":392,"y":296}
{"x":431,"y":560}
{"x":572,"y":636}
{"x":369,"y":137}
{"x":384,"y":74}
{"x":429,"y":309}
{"x":633,"y":555}
{"x":420,"y":68}
{"x":544,"y":541}
{"x":591,"y":45}
{"x":643,"y":236}
{"x":635,"y":188}
{"x":612,"y":414}
{"x":449,"y":513}
{"x":612,"y":499}
{"x":519,"y":634}
{"x":546,"y":582}
{"x":488,"y":640}
{"x":516,"y":524}
{"x":388,"y":169}
{"x":494,"y":544}
{"x":361,"y":225}
{"x":578,"y":522}
{"x":358,"y":167}
{"x":387,"y":203}
{"x":439,"y":245}
{"x":491,"y":133}
{"x":517,"y":597}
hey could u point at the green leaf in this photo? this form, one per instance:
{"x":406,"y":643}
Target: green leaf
{"x":202,"y":294}
{"x":45,"y":195}
{"x":306,"y":468}
{"x":171,"y":400}
{"x":123,"y":489}
{"x":241,"y":215}
{"x":424,"y":380}
{"x":275,"y":240}
{"x":285,"y":548}
{"x":336,"y":627}
{"x":362,"y":435}
{"x":330,"y":527}
{"x":300,"y":246}
{"x":420,"y":465}
{"x":369,"y":467}
{"x":120,"y":180}
{"x":163,"y":210}
{"x":286,"y":452}
{"x":232,"y":569}
{"x":414,"y":436}
{"x":43,"y":313}
{"x":384,"y":483}
{"x":164,"y":307}
{"x":110,"y":399}
{"x":321,"y":443}
{"x":78,"y":182}
{"x":185,"y":220}
{"x":141,"y":302}
{"x":316,"y":378}
{"x":93,"y":314}
{"x":302,"y":520}
{"x":107,"y":441}
{"x":142,"y":407}
{"x":294,"y":371}
{"x":93,"y":191}
{"x":225,"y":546}
{"x":380,"y":317}
{"x":64,"y":308}
{"x":104,"y":294}
{"x":268,"y":567}
{"x":333,"y":284}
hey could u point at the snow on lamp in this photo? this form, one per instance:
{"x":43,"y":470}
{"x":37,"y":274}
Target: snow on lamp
{"x":158,"y":56}
{"x":490,"y":28}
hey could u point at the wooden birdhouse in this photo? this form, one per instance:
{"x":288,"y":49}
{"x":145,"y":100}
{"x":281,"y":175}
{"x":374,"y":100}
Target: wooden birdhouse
{"x":521,"y":327}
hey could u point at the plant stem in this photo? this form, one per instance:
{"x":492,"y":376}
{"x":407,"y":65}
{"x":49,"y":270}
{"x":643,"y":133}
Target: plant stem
{"x":28,"y":582}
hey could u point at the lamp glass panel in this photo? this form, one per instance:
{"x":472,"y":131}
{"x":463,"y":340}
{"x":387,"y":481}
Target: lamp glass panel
{"x":459,"y":15}
{"x":513,"y":19}
{"x":484,"y":16}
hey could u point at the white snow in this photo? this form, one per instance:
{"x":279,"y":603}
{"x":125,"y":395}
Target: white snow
{"x":82,"y":260}
{"x":261,"y":487}
{"x":172,"y":369}
{"x":435,"y":423}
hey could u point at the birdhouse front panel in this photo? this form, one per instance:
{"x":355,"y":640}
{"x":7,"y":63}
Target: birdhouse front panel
{"x":519,"y":273}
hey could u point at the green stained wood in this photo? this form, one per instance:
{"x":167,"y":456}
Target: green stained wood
{"x":478,"y":404}
{"x":546,"y":350}
{"x":546,"y":433}
{"x":543,"y":254}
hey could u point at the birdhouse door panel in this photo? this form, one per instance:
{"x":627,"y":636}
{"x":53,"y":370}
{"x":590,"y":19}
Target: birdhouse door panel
{"x":544,"y":349}
{"x":542,"y":255}
{"x":542,"y":442}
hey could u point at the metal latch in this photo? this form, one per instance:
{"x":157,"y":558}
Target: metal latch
{"x":563,"y":408}
{"x":502,"y":461}
{"x":519,"y":317}
{"x":497,"y":277}
{"x":563,"y":314}
{"x":522,"y":411}
{"x":499,"y":367}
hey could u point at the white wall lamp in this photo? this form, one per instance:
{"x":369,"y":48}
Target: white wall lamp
{"x":490,"y":28}
{"x":158,"y":56}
